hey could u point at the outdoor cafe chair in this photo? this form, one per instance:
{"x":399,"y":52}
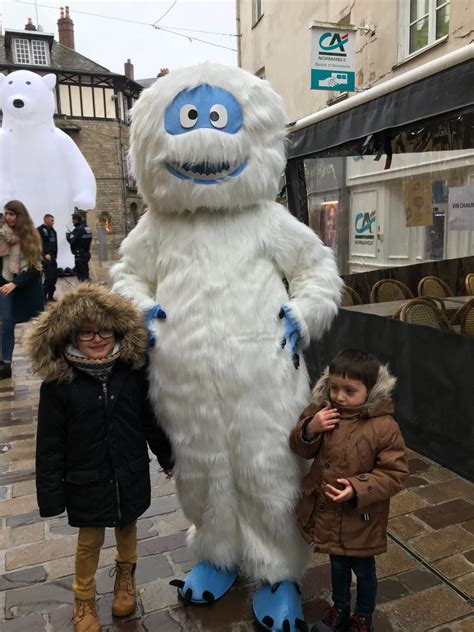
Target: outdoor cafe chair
{"x":434,"y":286}
{"x":349,"y":297}
{"x":465,"y":318}
{"x":469,"y":282}
{"x":419,"y":311}
{"x":389,"y":290}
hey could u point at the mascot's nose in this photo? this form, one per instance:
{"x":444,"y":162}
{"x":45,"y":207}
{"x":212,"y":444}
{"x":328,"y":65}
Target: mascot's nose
{"x":18,"y":103}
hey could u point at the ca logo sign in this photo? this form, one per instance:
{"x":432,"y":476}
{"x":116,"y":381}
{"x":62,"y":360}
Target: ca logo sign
{"x":335,"y":41}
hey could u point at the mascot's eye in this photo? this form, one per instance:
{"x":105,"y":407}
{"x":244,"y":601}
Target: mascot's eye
{"x":188,"y":116}
{"x":10,"y":82}
{"x":28,"y":83}
{"x":218,"y":116}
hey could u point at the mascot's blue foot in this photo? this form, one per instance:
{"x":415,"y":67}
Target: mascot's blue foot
{"x":204,"y":584}
{"x":278,"y":608}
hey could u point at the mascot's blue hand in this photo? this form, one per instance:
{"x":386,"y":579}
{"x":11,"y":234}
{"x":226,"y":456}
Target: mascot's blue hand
{"x":291,"y":334}
{"x":151,"y":314}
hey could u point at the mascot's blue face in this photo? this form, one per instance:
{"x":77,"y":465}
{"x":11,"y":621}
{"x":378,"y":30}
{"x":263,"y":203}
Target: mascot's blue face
{"x":204,"y":107}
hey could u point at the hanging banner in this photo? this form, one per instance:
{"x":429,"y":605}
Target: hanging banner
{"x":461,"y":208}
{"x":333,"y":57}
{"x":419,"y":202}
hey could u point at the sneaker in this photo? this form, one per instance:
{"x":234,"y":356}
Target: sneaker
{"x":125,"y":596}
{"x":5,"y":370}
{"x":333,"y":621}
{"x":359,"y":623}
{"x":85,"y":616}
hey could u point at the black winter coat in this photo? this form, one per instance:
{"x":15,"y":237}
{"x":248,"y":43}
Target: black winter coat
{"x":91,"y":454}
{"x":28,"y":298}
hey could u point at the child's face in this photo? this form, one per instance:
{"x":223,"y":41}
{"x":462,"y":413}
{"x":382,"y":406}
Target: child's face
{"x":347,"y":392}
{"x":94,"y":342}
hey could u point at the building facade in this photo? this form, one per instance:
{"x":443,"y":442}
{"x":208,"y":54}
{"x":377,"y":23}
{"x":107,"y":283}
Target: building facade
{"x":92,"y":106}
{"x":376,"y":173}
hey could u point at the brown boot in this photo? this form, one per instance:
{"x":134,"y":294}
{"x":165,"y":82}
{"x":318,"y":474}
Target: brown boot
{"x":125,"y":598}
{"x":85,"y":616}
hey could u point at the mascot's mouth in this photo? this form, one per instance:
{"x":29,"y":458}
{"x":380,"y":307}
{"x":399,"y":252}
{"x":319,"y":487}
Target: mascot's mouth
{"x":205,"y":172}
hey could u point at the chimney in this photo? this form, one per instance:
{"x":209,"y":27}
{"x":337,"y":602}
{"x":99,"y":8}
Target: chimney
{"x":66,"y":29}
{"x":128,"y":66}
{"x":29,"y":26}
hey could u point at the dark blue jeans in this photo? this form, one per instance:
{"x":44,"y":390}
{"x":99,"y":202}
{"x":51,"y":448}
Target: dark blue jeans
{"x":7,"y":327}
{"x":341,"y":576}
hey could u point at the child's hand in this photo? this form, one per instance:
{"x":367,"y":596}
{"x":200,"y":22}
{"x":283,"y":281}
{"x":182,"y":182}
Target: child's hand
{"x":338,"y":496}
{"x":323,"y":420}
{"x":168,"y":474}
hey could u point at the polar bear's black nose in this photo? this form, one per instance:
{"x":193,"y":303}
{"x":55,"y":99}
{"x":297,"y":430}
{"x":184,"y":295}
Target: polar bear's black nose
{"x":18,"y":103}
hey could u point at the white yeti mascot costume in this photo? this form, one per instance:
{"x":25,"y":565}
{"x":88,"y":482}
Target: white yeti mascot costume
{"x":39,"y":164}
{"x":213,"y":249}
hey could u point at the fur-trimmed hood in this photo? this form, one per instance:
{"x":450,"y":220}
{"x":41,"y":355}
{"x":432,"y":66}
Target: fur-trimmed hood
{"x":50,"y":332}
{"x":379,"y":401}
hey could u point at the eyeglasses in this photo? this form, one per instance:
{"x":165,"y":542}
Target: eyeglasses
{"x":86,"y":335}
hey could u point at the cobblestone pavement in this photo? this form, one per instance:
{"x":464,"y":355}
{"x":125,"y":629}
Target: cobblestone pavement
{"x":426,"y":577}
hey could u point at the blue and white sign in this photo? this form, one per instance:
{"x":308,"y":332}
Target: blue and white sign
{"x":332,"y":57}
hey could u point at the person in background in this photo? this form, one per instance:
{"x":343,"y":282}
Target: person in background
{"x":80,"y":242}
{"x":21,"y":294}
{"x":94,"y":424}
{"x":50,"y":253}
{"x":359,"y":463}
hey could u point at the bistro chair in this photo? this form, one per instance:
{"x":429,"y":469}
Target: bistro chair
{"x":434,"y":286}
{"x":349,"y":297}
{"x":419,"y":311}
{"x":469,"y":284}
{"x":389,"y":290}
{"x":465,"y":318}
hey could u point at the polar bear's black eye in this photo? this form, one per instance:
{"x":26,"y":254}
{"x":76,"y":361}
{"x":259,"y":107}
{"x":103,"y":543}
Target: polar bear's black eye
{"x":218,"y":116}
{"x":188,"y":116}
{"x":10,"y":82}
{"x":28,"y":83}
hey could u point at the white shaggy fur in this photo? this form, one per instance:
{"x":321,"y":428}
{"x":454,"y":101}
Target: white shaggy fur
{"x":213,"y":256}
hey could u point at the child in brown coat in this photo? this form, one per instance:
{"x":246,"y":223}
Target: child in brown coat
{"x":359,"y":463}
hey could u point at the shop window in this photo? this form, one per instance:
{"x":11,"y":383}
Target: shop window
{"x":34,"y":52}
{"x":417,"y":208}
{"x":257,"y":10}
{"x":424,"y":22}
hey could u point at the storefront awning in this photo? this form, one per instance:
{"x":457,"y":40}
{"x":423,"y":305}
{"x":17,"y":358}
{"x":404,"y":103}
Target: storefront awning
{"x":448,"y":91}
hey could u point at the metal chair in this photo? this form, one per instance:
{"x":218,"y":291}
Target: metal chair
{"x":389,"y":290}
{"x":469,"y":282}
{"x":434,"y":286}
{"x":419,"y":311}
{"x":349,"y":297}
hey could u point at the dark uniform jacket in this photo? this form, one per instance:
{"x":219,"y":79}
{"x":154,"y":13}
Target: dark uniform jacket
{"x":91,"y":455}
{"x":80,"y":239}
{"x":49,"y":240}
{"x":367,"y":448}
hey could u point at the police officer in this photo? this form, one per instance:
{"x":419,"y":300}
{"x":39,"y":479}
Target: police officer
{"x":80,"y":241}
{"x":49,"y":240}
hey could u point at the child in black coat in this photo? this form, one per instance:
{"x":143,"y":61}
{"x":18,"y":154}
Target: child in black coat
{"x":94,"y":424}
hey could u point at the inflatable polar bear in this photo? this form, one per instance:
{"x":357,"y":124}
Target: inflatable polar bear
{"x":207,"y":149}
{"x":39,"y":164}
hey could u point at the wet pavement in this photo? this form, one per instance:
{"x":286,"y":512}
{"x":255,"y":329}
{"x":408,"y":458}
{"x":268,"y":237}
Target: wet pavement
{"x":426,"y":577}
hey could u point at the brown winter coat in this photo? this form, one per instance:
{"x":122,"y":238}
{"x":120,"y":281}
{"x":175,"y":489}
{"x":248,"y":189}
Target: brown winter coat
{"x":367,"y":448}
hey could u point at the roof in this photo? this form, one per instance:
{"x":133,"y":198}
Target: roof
{"x":62,"y":58}
{"x":146,"y":83}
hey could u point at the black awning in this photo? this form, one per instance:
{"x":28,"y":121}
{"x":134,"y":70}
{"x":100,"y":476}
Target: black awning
{"x":450,"y":90}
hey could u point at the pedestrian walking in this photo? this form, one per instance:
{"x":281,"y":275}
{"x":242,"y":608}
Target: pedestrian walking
{"x":80,"y":239}
{"x":49,"y":240}
{"x":359,"y":463}
{"x":94,"y":423}
{"x":21,"y":295}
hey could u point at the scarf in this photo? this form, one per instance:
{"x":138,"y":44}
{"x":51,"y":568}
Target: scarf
{"x":98,"y":369}
{"x":10,"y":251}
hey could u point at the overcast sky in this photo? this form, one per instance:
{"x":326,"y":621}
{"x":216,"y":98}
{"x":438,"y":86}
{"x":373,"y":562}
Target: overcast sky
{"x":110,"y":42}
